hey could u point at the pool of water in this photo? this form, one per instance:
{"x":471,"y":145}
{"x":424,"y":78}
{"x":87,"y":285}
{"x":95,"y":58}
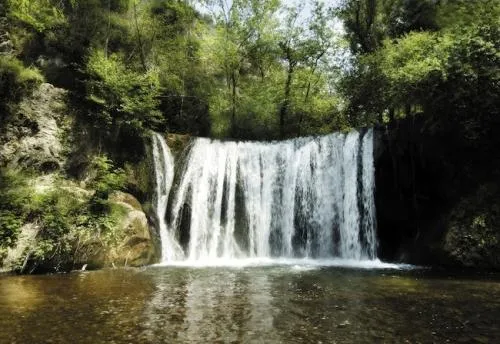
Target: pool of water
{"x":263,"y":303}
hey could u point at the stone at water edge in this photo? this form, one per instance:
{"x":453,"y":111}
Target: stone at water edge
{"x":133,"y":245}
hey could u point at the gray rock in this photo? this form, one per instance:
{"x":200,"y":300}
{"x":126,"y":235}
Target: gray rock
{"x":133,"y":244}
{"x":15,"y":258}
{"x":34,"y":135}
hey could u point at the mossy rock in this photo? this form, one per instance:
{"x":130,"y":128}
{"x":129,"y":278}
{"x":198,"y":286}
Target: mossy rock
{"x":131,"y":244}
{"x":126,"y":199}
{"x":473,"y":235}
{"x":178,"y":143}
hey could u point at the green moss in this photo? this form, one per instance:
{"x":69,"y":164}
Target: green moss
{"x":473,"y":238}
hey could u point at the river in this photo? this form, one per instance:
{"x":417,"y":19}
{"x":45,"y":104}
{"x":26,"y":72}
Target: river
{"x":277,"y":303}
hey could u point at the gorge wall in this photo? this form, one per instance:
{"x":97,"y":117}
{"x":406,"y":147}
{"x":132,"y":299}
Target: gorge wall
{"x":61,"y":208}
{"x":437,"y":196}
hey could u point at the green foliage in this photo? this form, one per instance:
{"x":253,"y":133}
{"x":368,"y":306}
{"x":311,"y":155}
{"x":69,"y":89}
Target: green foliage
{"x":403,"y":16}
{"x":41,"y":15}
{"x":268,"y":76}
{"x":106,"y":177}
{"x":414,"y":58}
{"x":431,"y":68}
{"x":413,"y":66}
{"x":10,"y":224}
{"x":459,"y":14}
{"x":64,"y":212}
{"x":56,"y":211}
{"x":122,"y":96}
{"x":15,"y":79}
{"x":364,"y":29}
{"x":162,"y":65}
{"x":15,"y":205}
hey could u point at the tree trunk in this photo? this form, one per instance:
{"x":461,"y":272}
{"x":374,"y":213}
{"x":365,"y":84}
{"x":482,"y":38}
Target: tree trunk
{"x":139,"y":39}
{"x":286,"y":101}
{"x":233,"y":105}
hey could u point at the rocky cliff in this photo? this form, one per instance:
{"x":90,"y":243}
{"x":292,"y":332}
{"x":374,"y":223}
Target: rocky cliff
{"x":437,"y":196}
{"x":39,"y":140}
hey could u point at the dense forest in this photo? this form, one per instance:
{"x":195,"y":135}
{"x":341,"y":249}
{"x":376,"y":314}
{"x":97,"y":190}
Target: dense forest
{"x":257,"y":69}
{"x":241,"y":69}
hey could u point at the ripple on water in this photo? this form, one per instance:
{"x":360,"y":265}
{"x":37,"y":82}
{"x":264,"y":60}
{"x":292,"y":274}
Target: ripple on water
{"x":292,"y":301}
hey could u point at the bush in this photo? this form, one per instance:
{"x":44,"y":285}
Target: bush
{"x":10,"y":224}
{"x":41,"y":15}
{"x":15,"y":79}
{"x":121,"y":96}
{"x":15,"y":205}
{"x":106,"y":178}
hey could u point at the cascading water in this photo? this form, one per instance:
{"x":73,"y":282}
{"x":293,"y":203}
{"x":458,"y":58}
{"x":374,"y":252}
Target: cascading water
{"x":164,"y":174}
{"x":307,"y":197}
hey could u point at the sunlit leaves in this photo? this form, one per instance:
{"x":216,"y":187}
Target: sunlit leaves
{"x":414,"y":57}
{"x":126,"y":96}
{"x":40,"y":14}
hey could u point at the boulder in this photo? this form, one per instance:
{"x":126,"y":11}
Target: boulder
{"x":472,"y":238}
{"x":132,"y":243}
{"x":15,"y":256}
{"x":126,"y":200}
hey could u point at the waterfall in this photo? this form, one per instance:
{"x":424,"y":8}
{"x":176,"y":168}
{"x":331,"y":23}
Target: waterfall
{"x":164,"y":176}
{"x":308,"y":197}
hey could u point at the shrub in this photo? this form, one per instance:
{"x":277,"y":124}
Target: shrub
{"x":41,"y":15}
{"x":15,"y":79}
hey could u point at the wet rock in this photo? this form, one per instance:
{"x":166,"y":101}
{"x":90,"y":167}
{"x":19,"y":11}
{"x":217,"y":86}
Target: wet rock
{"x":437,"y":195}
{"x":178,"y":142}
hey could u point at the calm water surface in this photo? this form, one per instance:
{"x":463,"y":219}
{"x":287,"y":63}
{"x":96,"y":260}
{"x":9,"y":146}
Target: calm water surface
{"x":274,"y":304}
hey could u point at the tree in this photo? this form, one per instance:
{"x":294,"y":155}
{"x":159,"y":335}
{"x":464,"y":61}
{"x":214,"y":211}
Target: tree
{"x":362,"y":24}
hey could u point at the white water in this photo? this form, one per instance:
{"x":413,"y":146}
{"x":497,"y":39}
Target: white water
{"x":164,"y":175}
{"x":308,"y":198}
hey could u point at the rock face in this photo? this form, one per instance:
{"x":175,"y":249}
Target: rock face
{"x":34,"y":136}
{"x":133,"y":244}
{"x":16,"y":256}
{"x":39,"y":137}
{"x":129,"y":244}
{"x":473,"y":238}
{"x":437,"y":197}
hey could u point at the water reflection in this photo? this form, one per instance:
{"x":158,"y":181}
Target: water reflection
{"x":224,"y":306}
{"x":248,"y":305}
{"x":19,"y":296}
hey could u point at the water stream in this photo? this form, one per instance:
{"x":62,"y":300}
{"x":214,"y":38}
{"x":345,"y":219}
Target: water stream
{"x":272,"y":304}
{"x":164,"y":175}
{"x":307,"y":197}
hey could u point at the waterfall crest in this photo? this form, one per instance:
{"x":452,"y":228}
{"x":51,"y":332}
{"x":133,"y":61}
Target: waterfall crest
{"x":306,"y":197}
